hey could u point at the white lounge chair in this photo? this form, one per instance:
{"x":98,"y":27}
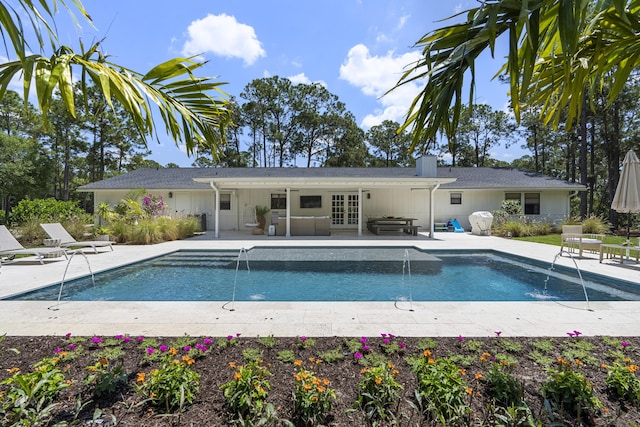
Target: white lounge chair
{"x":57,"y":231}
{"x":11,"y":247}
{"x":574,"y":239}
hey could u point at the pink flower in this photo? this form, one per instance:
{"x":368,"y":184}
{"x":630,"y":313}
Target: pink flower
{"x":150,"y":350}
{"x":391,"y":336}
{"x":571,"y":334}
{"x":498,"y":333}
{"x":383,"y":335}
{"x":624,"y":343}
{"x":186,"y":348}
{"x":57,"y":350}
{"x":402,"y":345}
{"x":229,"y":337}
{"x":163,"y":348}
{"x":96,"y":339}
{"x":578,"y":333}
{"x":140,"y":338}
{"x":363,"y":340}
{"x":126,"y":339}
{"x":118,"y":337}
{"x":357,"y":355}
{"x":68,"y":335}
{"x":207,"y":341}
{"x":366,"y":348}
{"x":238,"y":335}
{"x":386,"y":341}
{"x":460,"y":338}
{"x":303,"y":339}
{"x":72,"y":346}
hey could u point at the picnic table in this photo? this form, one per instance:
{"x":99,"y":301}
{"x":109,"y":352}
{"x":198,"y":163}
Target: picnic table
{"x":388,"y":223}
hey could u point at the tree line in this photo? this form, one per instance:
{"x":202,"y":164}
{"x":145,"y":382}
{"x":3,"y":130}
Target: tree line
{"x":280,"y":124}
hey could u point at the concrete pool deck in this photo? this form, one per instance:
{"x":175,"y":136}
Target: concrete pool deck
{"x":545,"y":318}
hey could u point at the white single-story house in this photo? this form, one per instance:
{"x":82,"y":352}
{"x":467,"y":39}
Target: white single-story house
{"x":348,"y":197}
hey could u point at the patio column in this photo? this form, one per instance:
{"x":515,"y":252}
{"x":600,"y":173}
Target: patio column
{"x":216,"y":209}
{"x":360,"y":212}
{"x":432,"y":194}
{"x":288,"y":192}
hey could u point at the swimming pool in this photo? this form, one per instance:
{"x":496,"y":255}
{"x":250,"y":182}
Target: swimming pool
{"x":338,"y":274}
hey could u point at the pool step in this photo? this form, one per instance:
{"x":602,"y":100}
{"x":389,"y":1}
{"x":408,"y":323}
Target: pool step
{"x":197,"y":259}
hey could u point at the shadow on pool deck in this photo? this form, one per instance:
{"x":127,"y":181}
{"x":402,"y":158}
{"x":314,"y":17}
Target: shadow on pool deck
{"x":311,"y":319}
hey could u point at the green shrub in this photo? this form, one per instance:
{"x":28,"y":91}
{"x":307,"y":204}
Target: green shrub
{"x":441,"y":391}
{"x":312,"y":397}
{"x":596,"y":225}
{"x":47,"y":210}
{"x":513,"y":228}
{"x":503,"y":386}
{"x":379,"y":392}
{"x":247,"y":392}
{"x":173,"y":385}
{"x":569,"y":391}
{"x":622,"y":382}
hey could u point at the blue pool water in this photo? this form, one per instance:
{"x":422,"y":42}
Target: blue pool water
{"x":338,"y":274}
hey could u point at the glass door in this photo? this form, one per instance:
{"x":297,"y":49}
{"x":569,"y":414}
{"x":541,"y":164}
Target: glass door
{"x":344,"y":210}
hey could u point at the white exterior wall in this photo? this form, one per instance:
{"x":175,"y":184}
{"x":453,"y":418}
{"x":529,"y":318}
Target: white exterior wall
{"x":554,"y":205}
{"x":180,"y":204}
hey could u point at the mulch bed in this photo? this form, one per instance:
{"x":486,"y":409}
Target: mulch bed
{"x":125,"y":407}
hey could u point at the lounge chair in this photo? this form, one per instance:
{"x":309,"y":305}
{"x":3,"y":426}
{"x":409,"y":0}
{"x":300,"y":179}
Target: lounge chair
{"x":574,"y":239}
{"x":57,"y":231}
{"x":10,"y":247}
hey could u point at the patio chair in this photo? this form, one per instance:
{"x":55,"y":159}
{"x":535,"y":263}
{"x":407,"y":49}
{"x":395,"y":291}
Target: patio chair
{"x":10,"y":247}
{"x":574,"y":239}
{"x":249,"y":217}
{"x":57,"y":231}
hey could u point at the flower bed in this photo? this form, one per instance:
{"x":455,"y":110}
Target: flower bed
{"x":150,"y":381}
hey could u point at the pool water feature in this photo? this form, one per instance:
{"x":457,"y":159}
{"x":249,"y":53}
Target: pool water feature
{"x":338,"y":274}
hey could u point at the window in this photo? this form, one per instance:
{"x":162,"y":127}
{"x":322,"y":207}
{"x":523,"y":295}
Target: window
{"x":278,"y":201}
{"x":310,"y":201}
{"x":512,"y":196}
{"x":532,"y":203}
{"x":455,"y":198}
{"x":225,"y":202}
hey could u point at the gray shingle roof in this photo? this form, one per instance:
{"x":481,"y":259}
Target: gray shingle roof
{"x":182,"y":178}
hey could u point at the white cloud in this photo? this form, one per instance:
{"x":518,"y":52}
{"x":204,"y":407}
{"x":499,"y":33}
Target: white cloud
{"x":224,"y":36}
{"x":375,"y":75}
{"x":302,"y":78}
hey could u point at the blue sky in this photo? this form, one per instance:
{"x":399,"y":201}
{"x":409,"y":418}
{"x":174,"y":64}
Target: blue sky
{"x":356,"y":48}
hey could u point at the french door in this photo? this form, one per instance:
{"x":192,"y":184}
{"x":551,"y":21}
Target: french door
{"x":344,"y":210}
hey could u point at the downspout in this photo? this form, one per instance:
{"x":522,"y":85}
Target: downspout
{"x":216,"y":210}
{"x":432,"y":209}
{"x":573,"y":194}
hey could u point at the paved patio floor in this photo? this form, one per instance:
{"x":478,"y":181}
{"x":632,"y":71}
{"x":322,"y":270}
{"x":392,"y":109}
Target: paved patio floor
{"x":310,"y":318}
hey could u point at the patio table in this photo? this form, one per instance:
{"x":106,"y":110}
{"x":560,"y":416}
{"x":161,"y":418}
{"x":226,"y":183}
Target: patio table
{"x":611,"y":250}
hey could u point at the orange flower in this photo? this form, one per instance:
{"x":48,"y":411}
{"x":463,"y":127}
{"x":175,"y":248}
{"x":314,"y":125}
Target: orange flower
{"x":478,"y":376}
{"x":468,"y":390}
{"x":307,"y":387}
{"x":378,"y":380}
{"x":632,"y":368}
{"x":578,"y":362}
{"x":297,"y":377}
{"x":427,"y":353}
{"x":237,"y":376}
{"x":173,"y":351}
{"x":141,"y":376}
{"x":320,"y":389}
{"x":232,"y":364}
{"x":462,"y":372}
{"x":325,"y":381}
{"x":13,"y":370}
{"x":395,"y":372}
{"x":431,"y":361}
{"x":485,"y":356}
{"x":297,"y":362}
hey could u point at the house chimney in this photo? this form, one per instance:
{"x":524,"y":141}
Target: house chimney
{"x":426,"y":166}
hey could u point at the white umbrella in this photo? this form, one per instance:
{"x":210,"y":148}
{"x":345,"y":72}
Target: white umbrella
{"x":627,"y":198}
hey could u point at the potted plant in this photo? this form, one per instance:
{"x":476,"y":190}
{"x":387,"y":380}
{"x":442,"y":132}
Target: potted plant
{"x":101,"y":233}
{"x":261,"y":211}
